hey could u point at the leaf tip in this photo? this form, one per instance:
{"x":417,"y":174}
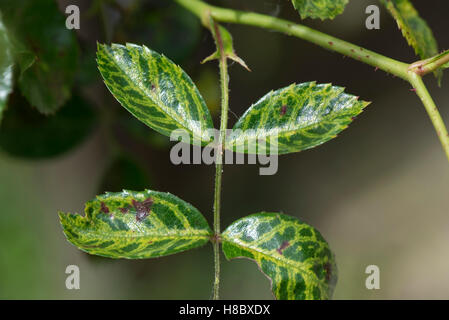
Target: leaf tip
{"x":62,"y":216}
{"x":365,"y":103}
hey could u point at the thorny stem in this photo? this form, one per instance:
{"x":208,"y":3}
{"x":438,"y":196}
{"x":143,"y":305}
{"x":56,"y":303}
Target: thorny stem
{"x":397,"y":68}
{"x":224,"y":84}
{"x":204,"y":10}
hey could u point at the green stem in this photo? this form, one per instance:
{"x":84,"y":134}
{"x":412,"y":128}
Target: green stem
{"x":203,"y":10}
{"x":431,"y":109}
{"x":397,"y":68}
{"x":224,"y":84}
{"x":427,"y":66}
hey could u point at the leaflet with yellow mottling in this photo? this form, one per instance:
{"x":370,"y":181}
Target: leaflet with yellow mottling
{"x":323,"y":9}
{"x":298,"y":117}
{"x":414,"y":29}
{"x":292,"y":254}
{"x":136,"y":225}
{"x":155,"y":90}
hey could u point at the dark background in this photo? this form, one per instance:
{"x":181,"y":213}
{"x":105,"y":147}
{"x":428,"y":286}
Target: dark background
{"x":378,"y":193}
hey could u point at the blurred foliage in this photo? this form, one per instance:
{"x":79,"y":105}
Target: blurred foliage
{"x":26,"y":133}
{"x":51,"y":62}
{"x":124,"y":173}
{"x":38,"y":28}
{"x":166,"y":28}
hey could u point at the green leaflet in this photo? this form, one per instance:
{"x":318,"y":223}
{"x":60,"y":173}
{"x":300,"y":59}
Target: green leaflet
{"x":292,"y":254}
{"x":136,"y":225}
{"x":413,"y":27}
{"x":300,"y":116}
{"x":45,"y":50}
{"x":6,"y":66}
{"x":323,"y":9}
{"x":155,"y":90}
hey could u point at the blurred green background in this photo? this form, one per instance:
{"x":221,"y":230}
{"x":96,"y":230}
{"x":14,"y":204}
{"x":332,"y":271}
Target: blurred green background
{"x":378,"y":193}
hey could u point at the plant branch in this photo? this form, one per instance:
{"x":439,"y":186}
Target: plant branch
{"x":432,"y":110}
{"x":203,"y":10}
{"x":224,"y":84}
{"x":410,"y":72}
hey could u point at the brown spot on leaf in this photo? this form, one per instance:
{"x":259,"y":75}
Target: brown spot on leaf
{"x":283,"y":246}
{"x":104,"y":208}
{"x":328,"y":270}
{"x":142,"y":208}
{"x":123,"y":210}
{"x":283,"y":110}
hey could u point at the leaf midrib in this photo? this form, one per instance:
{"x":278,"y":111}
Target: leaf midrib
{"x":284,"y":261}
{"x":200,"y":234}
{"x":285,"y":133}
